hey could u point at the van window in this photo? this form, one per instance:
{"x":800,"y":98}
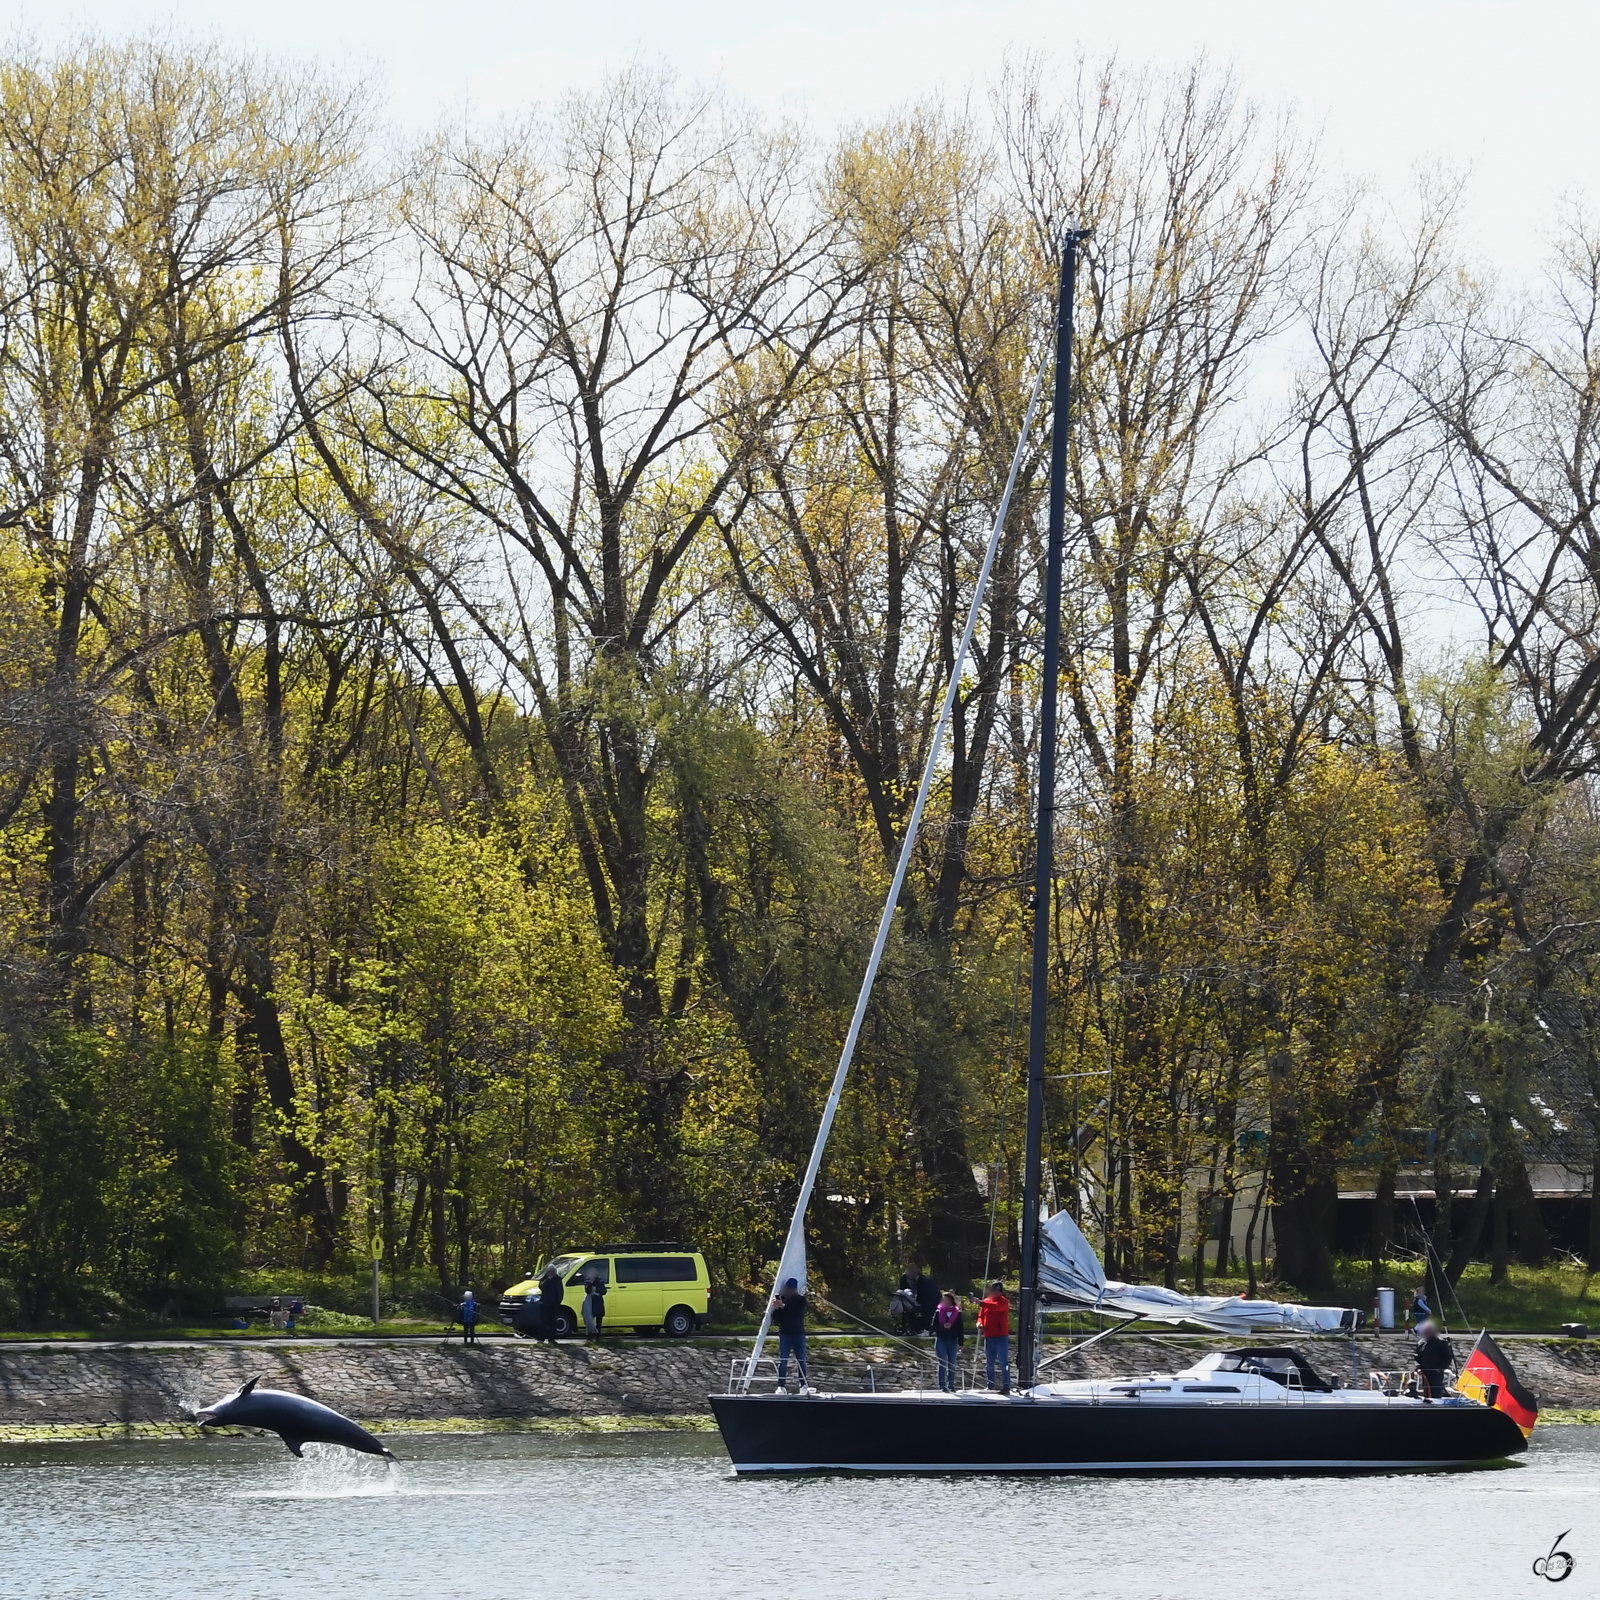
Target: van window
{"x":656,"y":1269}
{"x":600,"y":1265}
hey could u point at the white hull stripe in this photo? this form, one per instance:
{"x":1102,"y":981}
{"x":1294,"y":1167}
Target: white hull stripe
{"x":1290,"y":1464}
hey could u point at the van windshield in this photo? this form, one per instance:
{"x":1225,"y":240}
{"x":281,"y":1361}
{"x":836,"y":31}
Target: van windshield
{"x":562,"y":1264}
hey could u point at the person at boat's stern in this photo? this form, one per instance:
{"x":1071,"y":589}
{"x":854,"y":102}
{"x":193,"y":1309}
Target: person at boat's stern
{"x":789,"y":1313}
{"x":1435,"y":1357}
{"x":994,"y":1322}
{"x":949,"y":1335}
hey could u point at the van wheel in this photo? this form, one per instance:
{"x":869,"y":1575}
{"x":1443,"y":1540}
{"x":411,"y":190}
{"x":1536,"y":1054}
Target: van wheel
{"x":679,"y":1323}
{"x":566,"y":1324}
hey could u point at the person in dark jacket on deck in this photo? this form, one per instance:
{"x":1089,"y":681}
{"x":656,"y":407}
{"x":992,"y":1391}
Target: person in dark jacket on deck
{"x":549,"y":1303}
{"x":949,"y":1335}
{"x":789,"y":1317}
{"x":1435,"y":1357}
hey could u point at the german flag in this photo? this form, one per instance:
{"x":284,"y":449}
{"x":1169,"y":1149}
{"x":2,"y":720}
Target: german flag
{"x":1489,"y":1377}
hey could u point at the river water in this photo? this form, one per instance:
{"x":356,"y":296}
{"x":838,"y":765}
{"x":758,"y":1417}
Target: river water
{"x":613,"y":1517}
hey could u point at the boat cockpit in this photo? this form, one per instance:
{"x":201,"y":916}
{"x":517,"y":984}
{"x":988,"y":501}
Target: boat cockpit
{"x":1281,"y":1365}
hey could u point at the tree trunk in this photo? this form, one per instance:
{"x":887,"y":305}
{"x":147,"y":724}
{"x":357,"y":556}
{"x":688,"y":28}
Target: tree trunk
{"x":1224,"y":1264}
{"x":1472,"y":1232}
{"x":438,"y":1232}
{"x":1594,"y":1227}
{"x":1250,"y":1239}
{"x":1301,"y":1226}
{"x":1533,"y":1241}
{"x":1383,"y":1216}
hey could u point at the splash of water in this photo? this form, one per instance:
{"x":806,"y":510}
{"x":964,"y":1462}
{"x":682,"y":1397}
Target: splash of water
{"x":330,"y":1472}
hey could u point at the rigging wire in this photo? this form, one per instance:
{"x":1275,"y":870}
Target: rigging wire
{"x":1430,"y":1255}
{"x":893,"y":1338}
{"x":793,"y":1257}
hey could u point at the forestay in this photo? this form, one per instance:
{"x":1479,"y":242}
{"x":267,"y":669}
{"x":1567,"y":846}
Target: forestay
{"x":1070,"y":1272}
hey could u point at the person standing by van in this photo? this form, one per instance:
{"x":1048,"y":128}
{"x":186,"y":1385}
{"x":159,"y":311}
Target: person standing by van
{"x":949,"y":1335}
{"x":994,"y":1322}
{"x":469,"y":1318}
{"x":594,"y":1304}
{"x":789,"y":1313}
{"x":549,"y":1303}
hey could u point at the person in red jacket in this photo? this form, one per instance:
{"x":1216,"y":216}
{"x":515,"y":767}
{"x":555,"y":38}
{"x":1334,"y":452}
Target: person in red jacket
{"x":994,"y":1322}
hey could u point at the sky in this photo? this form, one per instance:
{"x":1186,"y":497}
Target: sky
{"x":1497,"y":89}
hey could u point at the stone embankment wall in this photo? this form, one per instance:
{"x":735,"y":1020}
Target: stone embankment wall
{"x":55,"y":1386}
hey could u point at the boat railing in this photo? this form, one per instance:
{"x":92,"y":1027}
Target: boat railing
{"x":1406,"y":1382}
{"x":841,"y":1375}
{"x":745,"y":1375}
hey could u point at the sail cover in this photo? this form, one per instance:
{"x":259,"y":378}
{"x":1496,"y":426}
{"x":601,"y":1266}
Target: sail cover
{"x":1070,"y":1271}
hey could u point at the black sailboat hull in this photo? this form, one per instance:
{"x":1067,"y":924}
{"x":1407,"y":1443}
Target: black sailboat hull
{"x":992,"y":1433}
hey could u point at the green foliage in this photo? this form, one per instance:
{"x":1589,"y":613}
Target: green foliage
{"x":432,"y":828}
{"x":113,"y":1174}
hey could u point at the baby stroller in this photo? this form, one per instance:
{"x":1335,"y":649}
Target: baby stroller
{"x":905,"y":1315}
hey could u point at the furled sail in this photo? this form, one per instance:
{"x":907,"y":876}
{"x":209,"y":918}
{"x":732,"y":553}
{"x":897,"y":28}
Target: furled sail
{"x":1070,"y":1271}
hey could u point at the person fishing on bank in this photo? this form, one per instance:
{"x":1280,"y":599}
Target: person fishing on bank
{"x":469,"y":1318}
{"x":789,"y":1315}
{"x":949,"y":1335}
{"x":594,"y":1305}
{"x":994,"y":1323}
{"x":1435,"y":1357}
{"x":549,"y":1304}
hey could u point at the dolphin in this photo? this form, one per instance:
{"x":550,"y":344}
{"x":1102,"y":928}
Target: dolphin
{"x":295,"y":1419}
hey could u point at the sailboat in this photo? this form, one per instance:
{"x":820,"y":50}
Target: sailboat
{"x":1247,"y":1409}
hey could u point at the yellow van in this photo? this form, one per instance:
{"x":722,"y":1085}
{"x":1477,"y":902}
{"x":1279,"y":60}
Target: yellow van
{"x":649,"y":1287}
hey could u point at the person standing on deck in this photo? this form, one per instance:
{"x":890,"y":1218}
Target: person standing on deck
{"x":789,"y":1314}
{"x":1435,"y":1357}
{"x":949,"y":1335}
{"x":994,"y":1322}
{"x":469,"y":1318}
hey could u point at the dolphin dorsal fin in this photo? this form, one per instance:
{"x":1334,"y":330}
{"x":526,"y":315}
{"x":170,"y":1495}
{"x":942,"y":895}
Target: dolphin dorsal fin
{"x":249,"y":1384}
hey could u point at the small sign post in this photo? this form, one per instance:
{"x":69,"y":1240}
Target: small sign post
{"x":377,"y":1262}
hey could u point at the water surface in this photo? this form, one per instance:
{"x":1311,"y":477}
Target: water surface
{"x":619,"y":1516}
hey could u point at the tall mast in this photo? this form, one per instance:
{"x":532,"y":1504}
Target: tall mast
{"x":1044,"y":843}
{"x":792,"y":1263}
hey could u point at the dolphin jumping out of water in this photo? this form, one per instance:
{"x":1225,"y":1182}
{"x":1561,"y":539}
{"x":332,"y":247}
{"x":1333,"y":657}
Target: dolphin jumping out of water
{"x":295,"y":1419}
